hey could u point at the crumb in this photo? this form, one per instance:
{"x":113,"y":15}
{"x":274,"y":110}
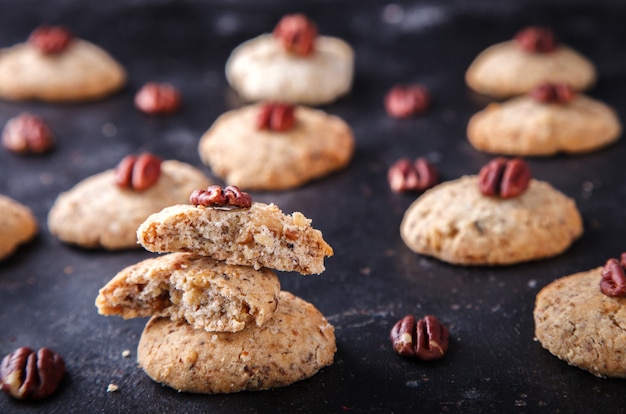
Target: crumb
{"x":126,"y":353}
{"x":532,"y":283}
{"x":46,"y":178}
{"x":365,"y":271}
{"x":112,"y":387}
{"x":68,"y":270}
{"x":109,"y":130}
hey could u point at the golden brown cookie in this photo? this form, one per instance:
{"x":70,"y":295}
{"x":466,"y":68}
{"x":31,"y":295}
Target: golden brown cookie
{"x":17,"y":225}
{"x":261,"y":69}
{"x":97,"y":213}
{"x":259,"y":236}
{"x":523,"y":126}
{"x":577,"y":323}
{"x":456,"y":223}
{"x":295,"y":344}
{"x":205,"y":293}
{"x":264,"y":159}
{"x":505,"y":69}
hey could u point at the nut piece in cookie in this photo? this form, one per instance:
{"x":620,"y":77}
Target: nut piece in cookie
{"x":99,"y":213}
{"x":311,"y":145}
{"x":18,"y":225}
{"x":293,"y":345}
{"x":533,"y":57}
{"x":551,"y":119}
{"x":293,"y":64}
{"x":206,"y":293}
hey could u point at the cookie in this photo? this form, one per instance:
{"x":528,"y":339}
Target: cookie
{"x":96,"y":213}
{"x":523,"y":126}
{"x":505,"y":70}
{"x":82,"y":71}
{"x":17,"y":225}
{"x":577,"y":323}
{"x":263,"y":159}
{"x":259,"y":236}
{"x":205,"y":293}
{"x":456,"y":223}
{"x":295,"y":344}
{"x":261,"y":69}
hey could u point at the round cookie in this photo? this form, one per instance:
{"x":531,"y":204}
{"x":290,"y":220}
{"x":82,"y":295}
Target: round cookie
{"x":206,"y":293}
{"x":96,"y":213}
{"x":525,"y":127}
{"x":455,"y":223}
{"x":17,"y":225}
{"x":295,"y":344}
{"x":505,"y":69}
{"x":577,"y":323}
{"x":261,"y":69}
{"x":255,"y":159}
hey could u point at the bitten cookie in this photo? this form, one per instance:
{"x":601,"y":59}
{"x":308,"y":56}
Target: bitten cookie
{"x":292,"y":65}
{"x":205,"y":293}
{"x":295,"y":344}
{"x":252,"y":156}
{"x":97,"y":213}
{"x":456,"y":223}
{"x":259,"y":236}
{"x":577,"y":323}
{"x":17,"y":225}
{"x":76,"y":71}
{"x":517,"y":66}
{"x":523,"y":126}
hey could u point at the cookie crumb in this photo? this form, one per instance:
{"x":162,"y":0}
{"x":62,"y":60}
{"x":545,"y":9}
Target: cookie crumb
{"x":112,"y":387}
{"x":109,"y":130}
{"x":126,"y":353}
{"x":68,"y":270}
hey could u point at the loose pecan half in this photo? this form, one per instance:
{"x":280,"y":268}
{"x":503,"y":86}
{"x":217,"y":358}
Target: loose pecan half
{"x":535,"y":39}
{"x":26,"y":374}
{"x":296,"y":33}
{"x":613,"y":282}
{"x":138,"y":172}
{"x":215,"y":196}
{"x":560,"y":93}
{"x":277,"y":117}
{"x":425,"y":339}
{"x":158,"y":99}
{"x":50,"y":40}
{"x":504,"y":178}
{"x":27,"y":133}
{"x":418,"y":175}
{"x":402,"y":101}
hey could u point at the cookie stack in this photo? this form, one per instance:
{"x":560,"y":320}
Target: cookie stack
{"x":220,"y":322}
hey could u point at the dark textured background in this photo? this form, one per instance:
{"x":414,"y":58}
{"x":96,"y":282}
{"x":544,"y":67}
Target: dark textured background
{"x":47,"y":289}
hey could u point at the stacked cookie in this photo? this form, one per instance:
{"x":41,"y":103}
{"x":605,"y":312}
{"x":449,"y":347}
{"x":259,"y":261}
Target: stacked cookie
{"x":220,"y":322}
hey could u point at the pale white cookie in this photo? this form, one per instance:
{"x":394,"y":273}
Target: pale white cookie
{"x":17,"y":225}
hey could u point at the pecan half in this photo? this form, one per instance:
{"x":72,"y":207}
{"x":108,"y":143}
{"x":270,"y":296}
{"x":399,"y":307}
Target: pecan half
{"x":418,"y":175}
{"x":560,"y":93}
{"x":26,"y":374}
{"x":403,"y":101}
{"x":296,"y":33}
{"x":215,"y":196}
{"x":426,"y":339}
{"x":277,"y":117}
{"x":50,"y":40}
{"x":138,"y":172}
{"x":613,"y":282}
{"x":158,"y":99}
{"x":27,"y":133}
{"x":535,"y":39}
{"x":504,"y":178}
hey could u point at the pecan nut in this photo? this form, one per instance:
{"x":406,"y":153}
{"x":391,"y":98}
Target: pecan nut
{"x":138,"y":172}
{"x":426,"y":339}
{"x":214,"y":196}
{"x":405,"y":175}
{"x":613,"y":282}
{"x":27,"y":133}
{"x":50,"y":40}
{"x":277,"y":117}
{"x":158,"y":99}
{"x":296,"y":33}
{"x":504,"y":178}
{"x":560,"y":93}
{"x":536,"y":39}
{"x":26,"y":374}
{"x":405,"y":101}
